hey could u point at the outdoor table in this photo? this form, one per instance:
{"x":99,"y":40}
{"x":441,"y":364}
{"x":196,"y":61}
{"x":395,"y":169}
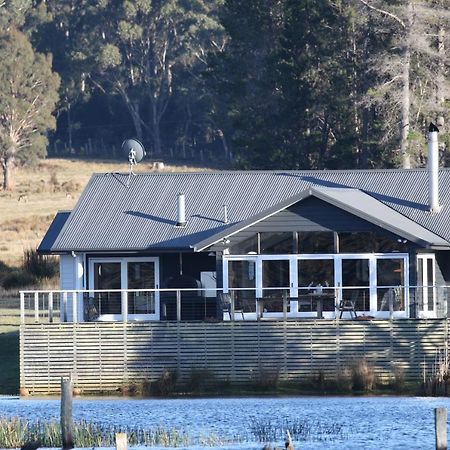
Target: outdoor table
{"x":319,"y":297}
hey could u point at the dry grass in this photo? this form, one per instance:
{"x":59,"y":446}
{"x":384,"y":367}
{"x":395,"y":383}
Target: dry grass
{"x":41,"y":191}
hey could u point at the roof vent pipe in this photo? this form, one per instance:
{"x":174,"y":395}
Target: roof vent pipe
{"x":225,"y":214}
{"x":433,"y":168}
{"x":181,"y":210}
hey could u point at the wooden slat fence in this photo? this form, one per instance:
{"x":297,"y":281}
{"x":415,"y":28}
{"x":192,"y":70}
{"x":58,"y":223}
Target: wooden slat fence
{"x":105,"y":356}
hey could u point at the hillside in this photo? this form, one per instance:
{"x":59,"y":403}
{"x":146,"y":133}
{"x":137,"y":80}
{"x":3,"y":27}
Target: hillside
{"x":54,"y":184}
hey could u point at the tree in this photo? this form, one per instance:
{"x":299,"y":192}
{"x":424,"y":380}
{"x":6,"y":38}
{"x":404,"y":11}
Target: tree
{"x":410,"y":87}
{"x":28,"y":95}
{"x":286,"y":81}
{"x":141,"y":49}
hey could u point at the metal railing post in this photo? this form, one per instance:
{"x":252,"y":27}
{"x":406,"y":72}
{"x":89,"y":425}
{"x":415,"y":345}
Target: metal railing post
{"x":178,"y":305}
{"x":284,"y":305}
{"x":36,"y":307}
{"x":74,"y":307}
{"x":22,"y":307}
{"x":232,"y":307}
{"x":50,"y":307}
{"x":391,"y":303}
{"x":64,"y":306}
{"x":124,"y":305}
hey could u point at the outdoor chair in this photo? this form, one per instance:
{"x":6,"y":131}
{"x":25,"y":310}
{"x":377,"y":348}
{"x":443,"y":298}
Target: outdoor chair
{"x":91,"y":311}
{"x":225,"y":300}
{"x":347,"y":306}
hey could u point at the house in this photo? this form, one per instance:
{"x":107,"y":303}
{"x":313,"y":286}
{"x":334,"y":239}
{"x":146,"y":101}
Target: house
{"x":294,"y":243}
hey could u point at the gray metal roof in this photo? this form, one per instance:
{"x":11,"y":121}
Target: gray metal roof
{"x":110,"y":216}
{"x":53,"y":232}
{"x":353,"y":201}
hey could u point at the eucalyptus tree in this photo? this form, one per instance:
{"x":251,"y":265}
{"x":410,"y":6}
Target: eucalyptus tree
{"x":411,"y":85}
{"x":139,"y":49}
{"x":65,"y":33}
{"x":28,"y":95}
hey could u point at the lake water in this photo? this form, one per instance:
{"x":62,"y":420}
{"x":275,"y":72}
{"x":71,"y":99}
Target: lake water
{"x":336,"y":423}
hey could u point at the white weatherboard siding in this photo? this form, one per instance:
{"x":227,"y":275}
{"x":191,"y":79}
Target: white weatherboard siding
{"x":71,"y":276}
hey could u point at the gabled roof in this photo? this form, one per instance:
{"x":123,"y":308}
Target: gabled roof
{"x":53,"y":232}
{"x":355,"y":202}
{"x":111,"y":216}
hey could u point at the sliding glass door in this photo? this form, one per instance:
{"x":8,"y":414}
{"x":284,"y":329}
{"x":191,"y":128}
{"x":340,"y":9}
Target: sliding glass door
{"x":355,"y":282}
{"x":316,"y":283}
{"x":120,"y":279}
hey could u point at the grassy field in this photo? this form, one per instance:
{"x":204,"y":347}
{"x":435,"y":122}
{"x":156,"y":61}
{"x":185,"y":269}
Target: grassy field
{"x":41,"y":191}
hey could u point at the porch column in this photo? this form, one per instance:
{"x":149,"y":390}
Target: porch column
{"x":124,"y":306}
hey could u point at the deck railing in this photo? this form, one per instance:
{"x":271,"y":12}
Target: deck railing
{"x":277,"y":303}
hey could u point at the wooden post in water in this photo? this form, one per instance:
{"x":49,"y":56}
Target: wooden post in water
{"x":288,"y":443}
{"x":121,"y":441}
{"x":66,"y":414}
{"x":440,"y":421}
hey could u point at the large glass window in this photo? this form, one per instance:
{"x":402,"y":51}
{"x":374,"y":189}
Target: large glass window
{"x":107,"y":276}
{"x":277,"y":243}
{"x":316,"y":242}
{"x":245,"y":246}
{"x":141,"y":275}
{"x":275,"y":274}
{"x":370,"y":242}
{"x":124,"y":274}
{"x":242,"y":283}
{"x":356,"y":282}
{"x":319,"y":282}
{"x":356,"y":242}
{"x":315,"y":283}
{"x":390,"y":279}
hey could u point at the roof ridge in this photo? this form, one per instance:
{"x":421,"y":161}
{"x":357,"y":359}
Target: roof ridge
{"x":273,"y":172}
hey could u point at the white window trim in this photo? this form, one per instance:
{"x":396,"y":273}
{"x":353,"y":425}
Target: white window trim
{"x":337,"y":257}
{"x":424,"y":284}
{"x":123,"y":261}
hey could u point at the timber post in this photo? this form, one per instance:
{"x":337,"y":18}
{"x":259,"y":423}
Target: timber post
{"x":66,"y":414}
{"x":440,"y":421}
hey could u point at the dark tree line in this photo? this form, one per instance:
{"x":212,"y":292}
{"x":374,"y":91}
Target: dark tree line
{"x":261,"y":83}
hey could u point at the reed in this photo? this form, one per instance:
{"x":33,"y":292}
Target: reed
{"x":14,"y":432}
{"x":437,"y":381}
{"x":300,"y":430}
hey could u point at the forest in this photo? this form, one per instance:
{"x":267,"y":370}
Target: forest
{"x":250,"y":84}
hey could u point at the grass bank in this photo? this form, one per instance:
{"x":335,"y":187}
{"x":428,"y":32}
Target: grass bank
{"x":9,"y":343}
{"x":9,"y":365}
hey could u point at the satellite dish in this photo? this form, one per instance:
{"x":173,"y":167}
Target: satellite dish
{"x":133,"y":150}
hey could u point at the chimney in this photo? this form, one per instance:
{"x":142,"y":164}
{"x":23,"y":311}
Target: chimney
{"x":433,"y":168}
{"x":225,"y":214}
{"x":181,"y":211}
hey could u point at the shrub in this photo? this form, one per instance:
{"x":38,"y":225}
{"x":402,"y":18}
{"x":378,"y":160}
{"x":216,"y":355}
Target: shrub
{"x":362,"y":375}
{"x":344,"y":380}
{"x":399,"y":378}
{"x":166,"y":383}
{"x":266,"y":378}
{"x":18,"y":279}
{"x":201,"y":380}
{"x":40,"y":266}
